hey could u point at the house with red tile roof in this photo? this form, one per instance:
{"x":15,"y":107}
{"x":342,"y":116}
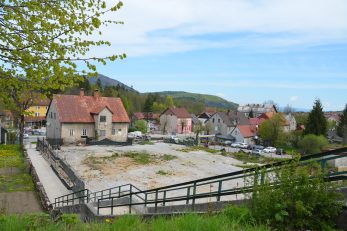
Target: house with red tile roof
{"x":73,"y":118}
{"x":151,"y":118}
{"x":175,"y":120}
{"x":245,"y":133}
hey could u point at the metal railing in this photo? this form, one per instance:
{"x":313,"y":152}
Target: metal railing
{"x":227,"y":186}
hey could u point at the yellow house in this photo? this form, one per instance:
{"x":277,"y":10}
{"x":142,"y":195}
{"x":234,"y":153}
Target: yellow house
{"x":37,"y":112}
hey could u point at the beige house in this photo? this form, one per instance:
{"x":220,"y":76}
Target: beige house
{"x":175,"y":120}
{"x":73,"y":118}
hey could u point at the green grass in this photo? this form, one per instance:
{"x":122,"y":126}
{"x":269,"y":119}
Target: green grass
{"x":139,"y":157}
{"x":146,"y":143}
{"x":224,"y":221}
{"x":250,"y":158}
{"x":163,"y":173}
{"x":168,"y":157}
{"x":18,"y":182}
{"x":11,"y":156}
{"x":197,"y":148}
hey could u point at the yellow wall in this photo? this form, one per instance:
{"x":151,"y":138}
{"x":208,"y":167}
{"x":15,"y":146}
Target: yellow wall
{"x":42,"y":110}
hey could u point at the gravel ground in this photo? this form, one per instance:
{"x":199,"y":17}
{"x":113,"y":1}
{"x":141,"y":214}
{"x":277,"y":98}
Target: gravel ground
{"x":118,"y":171}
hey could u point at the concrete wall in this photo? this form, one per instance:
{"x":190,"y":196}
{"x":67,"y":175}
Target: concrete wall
{"x":121,"y":132}
{"x":53,"y":124}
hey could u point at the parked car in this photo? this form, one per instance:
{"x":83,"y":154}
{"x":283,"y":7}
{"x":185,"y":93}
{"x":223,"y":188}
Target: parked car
{"x":235,"y":145}
{"x":269,"y":149}
{"x":257,"y":151}
{"x":227,"y":142}
{"x":253,"y":147}
{"x":243,"y":145}
{"x":26,"y":136}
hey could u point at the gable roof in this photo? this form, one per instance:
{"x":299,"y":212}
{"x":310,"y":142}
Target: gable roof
{"x":179,"y":112}
{"x":204,"y":115}
{"x":256,"y":121}
{"x":144,"y":115}
{"x":232,"y":118}
{"x":256,"y":108}
{"x":195,"y":119}
{"x":247,"y":130}
{"x":80,"y":109}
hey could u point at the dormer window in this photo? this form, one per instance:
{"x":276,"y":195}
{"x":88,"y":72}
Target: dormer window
{"x":102,"y":118}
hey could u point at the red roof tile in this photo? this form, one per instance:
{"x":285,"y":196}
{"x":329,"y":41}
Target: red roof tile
{"x":247,"y":130}
{"x":144,"y":115}
{"x":80,"y":109}
{"x":180,"y":112}
{"x":256,"y":121}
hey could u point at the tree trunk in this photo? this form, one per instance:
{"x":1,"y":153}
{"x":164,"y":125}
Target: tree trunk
{"x":344,"y":141}
{"x":21,"y":131}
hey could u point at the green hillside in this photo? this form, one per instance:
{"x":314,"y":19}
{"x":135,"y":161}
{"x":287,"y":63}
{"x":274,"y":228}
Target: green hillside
{"x":207,"y":100}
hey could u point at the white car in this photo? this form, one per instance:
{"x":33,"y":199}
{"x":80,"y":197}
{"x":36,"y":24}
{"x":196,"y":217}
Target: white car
{"x":269,"y":149}
{"x":235,"y":145}
{"x":26,"y":136}
{"x":243,"y":145}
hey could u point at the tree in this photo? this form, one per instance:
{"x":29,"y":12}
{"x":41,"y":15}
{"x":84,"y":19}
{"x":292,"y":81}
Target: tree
{"x":288,"y":109}
{"x":158,"y":107}
{"x":183,"y":124}
{"x":293,"y":203}
{"x":251,"y":114}
{"x":169,"y":101}
{"x":272,"y":130}
{"x":40,"y":43}
{"x":141,"y":125}
{"x":311,"y":144}
{"x":99,"y":85}
{"x":198,"y":129}
{"x":342,"y":127}
{"x":316,"y":122}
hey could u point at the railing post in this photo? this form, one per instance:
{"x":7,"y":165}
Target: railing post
{"x":112,"y":206}
{"x":146,"y":199}
{"x":130,"y":198}
{"x":98,"y":207}
{"x":194,"y":192}
{"x":87,"y":196}
{"x":109,"y":192}
{"x":73,"y":198}
{"x":156,"y":200}
{"x":219,"y":189}
{"x":188,"y":194}
{"x":102,"y":194}
{"x":164,"y":197}
{"x":119,"y":191}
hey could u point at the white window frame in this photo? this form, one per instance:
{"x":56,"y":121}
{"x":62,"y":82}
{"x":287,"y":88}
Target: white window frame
{"x":102,"y":131}
{"x":71,"y":132}
{"x":113,"y":131}
{"x":84,"y":132}
{"x":102,"y":116}
{"x":37,"y":114}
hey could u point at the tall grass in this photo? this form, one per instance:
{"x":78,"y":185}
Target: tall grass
{"x":230,"y":219}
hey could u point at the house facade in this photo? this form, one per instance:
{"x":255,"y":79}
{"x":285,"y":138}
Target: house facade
{"x":245,"y":134}
{"x":37,"y":113}
{"x":256,"y":109}
{"x":73,"y":118}
{"x":175,"y":120}
{"x":152,"y":120}
{"x":290,"y":124}
{"x":224,"y":122}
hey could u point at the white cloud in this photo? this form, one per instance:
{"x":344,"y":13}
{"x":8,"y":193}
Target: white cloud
{"x":294,"y":98}
{"x":221,"y":95}
{"x":166,"y":26}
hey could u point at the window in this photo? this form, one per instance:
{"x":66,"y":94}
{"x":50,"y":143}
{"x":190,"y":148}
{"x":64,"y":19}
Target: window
{"x":102,"y":132}
{"x":37,"y":114}
{"x":113,"y":131}
{"x":84,"y":132}
{"x":102,"y":118}
{"x":71,"y":132}
{"x":55,"y":115}
{"x":218,"y":120}
{"x":46,"y":107}
{"x":38,"y":107}
{"x":51,"y":115}
{"x":119,"y":130}
{"x":213,"y":120}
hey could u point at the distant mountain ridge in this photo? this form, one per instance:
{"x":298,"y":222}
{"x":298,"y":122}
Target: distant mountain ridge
{"x":212,"y":101}
{"x":107,"y":81}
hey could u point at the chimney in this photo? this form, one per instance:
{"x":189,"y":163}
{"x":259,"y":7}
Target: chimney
{"x":96,"y":94}
{"x":82,"y":92}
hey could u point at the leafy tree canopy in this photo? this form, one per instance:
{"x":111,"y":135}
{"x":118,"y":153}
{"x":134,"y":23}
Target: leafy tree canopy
{"x":316,"y":122}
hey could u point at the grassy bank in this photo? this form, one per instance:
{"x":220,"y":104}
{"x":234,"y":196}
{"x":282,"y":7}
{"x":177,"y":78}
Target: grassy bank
{"x":224,"y":221}
{"x":14,"y":176}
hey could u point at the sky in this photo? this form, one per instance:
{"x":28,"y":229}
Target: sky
{"x":246,"y":51}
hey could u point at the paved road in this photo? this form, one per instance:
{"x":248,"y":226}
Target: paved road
{"x":50,"y":181}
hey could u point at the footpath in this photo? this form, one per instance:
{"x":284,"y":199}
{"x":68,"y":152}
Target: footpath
{"x":50,"y":181}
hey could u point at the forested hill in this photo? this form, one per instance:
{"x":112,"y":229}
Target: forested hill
{"x":212,"y":101}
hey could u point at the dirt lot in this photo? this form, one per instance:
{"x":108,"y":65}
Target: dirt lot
{"x":158,"y":165}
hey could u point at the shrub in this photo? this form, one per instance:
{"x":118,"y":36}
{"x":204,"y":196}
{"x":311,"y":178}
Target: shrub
{"x":311,"y":144}
{"x":302,"y":200}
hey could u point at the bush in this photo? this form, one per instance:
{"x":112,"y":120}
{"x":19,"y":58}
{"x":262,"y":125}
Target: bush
{"x":302,"y":201}
{"x":311,"y":144}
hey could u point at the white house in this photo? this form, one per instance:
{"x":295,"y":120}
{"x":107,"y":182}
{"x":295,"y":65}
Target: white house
{"x":73,"y":118}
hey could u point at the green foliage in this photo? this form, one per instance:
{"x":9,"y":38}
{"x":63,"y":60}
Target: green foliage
{"x":163,"y":173}
{"x":342,"y":127}
{"x":169,"y":101}
{"x":168,"y":157}
{"x":16,"y":183}
{"x":301,"y":118}
{"x":189,"y":222}
{"x":141,"y":125}
{"x":302,"y":200}
{"x":311,"y":144}
{"x":316,"y":122}
{"x":10,"y":156}
{"x":272,"y":130}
